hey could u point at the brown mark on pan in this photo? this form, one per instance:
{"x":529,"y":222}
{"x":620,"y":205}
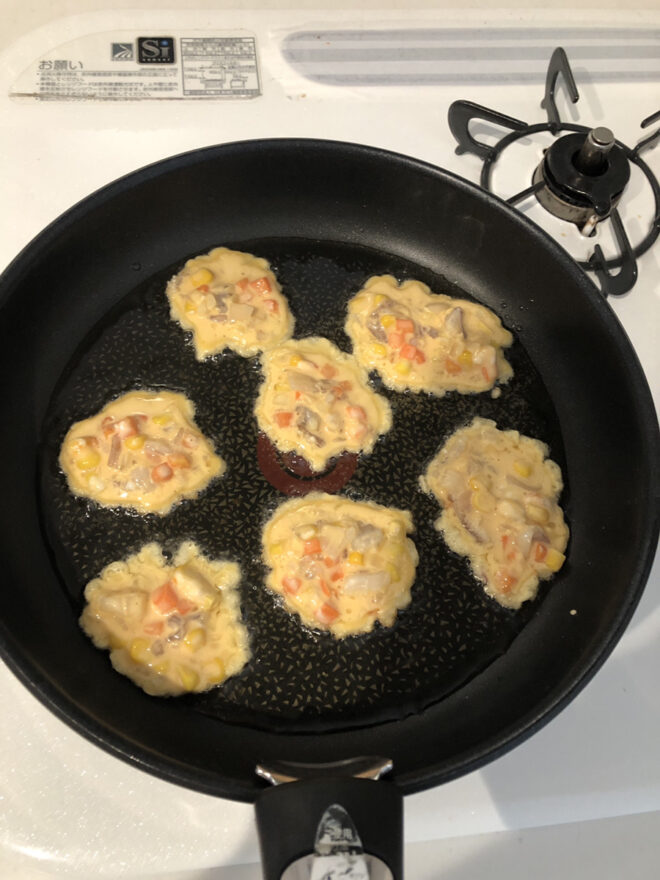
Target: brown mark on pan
{"x":292,"y":474}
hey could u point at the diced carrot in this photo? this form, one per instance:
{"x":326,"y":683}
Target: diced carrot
{"x":452,"y":367}
{"x":485,"y":374}
{"x":261,"y":285}
{"x":540,"y":551}
{"x":408,"y":352}
{"x":108,"y":426}
{"x":271,"y":305}
{"x":204,"y":288}
{"x":165,"y":599}
{"x":328,"y":371}
{"x":327,"y":613}
{"x":337,"y":575}
{"x":505,"y":541}
{"x":329,"y":562}
{"x":283,"y":419}
{"x":291,"y":584}
{"x":190,"y":440}
{"x":178,"y":460}
{"x":127,"y":427}
{"x":405,"y":325}
{"x":505,"y":581}
{"x":395,"y":340}
{"x":242,"y":284}
{"x":356,"y":412}
{"x":311,"y":547}
{"x":162,"y":473}
{"x":154,"y":628}
{"x":183,"y":606}
{"x":297,"y":395}
{"x":325,"y":589}
{"x":420,"y":357}
{"x":341,"y":388}
{"x":356,"y":431}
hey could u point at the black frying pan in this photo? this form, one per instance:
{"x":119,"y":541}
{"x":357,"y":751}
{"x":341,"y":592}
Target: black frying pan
{"x":458,"y":680}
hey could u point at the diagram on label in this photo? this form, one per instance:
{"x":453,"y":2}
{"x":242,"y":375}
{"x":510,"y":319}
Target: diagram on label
{"x":219,"y":66}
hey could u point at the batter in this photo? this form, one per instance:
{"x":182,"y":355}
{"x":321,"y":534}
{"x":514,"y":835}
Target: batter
{"x":170,"y":628}
{"x":229,"y":299}
{"x":340,"y":565}
{"x":315,"y":400}
{"x":142,"y":451}
{"x":421,"y":341}
{"x":499,"y":492}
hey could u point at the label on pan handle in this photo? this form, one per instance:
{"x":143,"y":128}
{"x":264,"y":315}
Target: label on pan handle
{"x":338,"y":853}
{"x":159,"y":64}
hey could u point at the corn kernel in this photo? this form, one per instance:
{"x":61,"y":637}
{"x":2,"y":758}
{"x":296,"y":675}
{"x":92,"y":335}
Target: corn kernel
{"x":554,"y":559}
{"x":378,"y":299}
{"x":162,"y":419}
{"x":201,"y":276}
{"x":522,"y":468}
{"x":88,"y":460}
{"x":195,"y":638}
{"x":393,"y":572}
{"x":215,"y":671}
{"x":188,"y":677}
{"x":394,"y":549}
{"x":206,"y":601}
{"x":388,"y":321}
{"x":189,"y":306}
{"x":483,"y":502}
{"x":537,"y":514}
{"x":355,"y":558}
{"x":295,"y":360}
{"x":378,"y":350}
{"x":402,"y":367}
{"x":465,"y":358}
{"x":276,"y":549}
{"x":136,"y":441}
{"x":138,"y":650}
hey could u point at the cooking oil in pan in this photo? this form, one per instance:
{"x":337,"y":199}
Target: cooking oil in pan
{"x":449,"y":632}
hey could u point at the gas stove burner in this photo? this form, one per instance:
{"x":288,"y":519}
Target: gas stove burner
{"x":581,"y":177}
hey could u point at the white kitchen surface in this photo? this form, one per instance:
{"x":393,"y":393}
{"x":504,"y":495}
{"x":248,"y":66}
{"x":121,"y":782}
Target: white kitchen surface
{"x":582,"y":797}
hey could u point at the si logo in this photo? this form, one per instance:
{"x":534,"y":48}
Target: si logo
{"x":156,"y":50}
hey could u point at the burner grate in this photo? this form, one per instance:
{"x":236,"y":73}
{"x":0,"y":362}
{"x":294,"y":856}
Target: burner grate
{"x":581,"y":178}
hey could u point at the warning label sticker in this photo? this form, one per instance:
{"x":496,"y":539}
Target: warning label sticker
{"x":122,"y":67}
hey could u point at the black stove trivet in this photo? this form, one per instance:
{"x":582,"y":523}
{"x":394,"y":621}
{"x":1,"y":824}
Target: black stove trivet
{"x":581,"y":177}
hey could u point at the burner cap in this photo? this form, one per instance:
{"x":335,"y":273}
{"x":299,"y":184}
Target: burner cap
{"x":584,"y":177}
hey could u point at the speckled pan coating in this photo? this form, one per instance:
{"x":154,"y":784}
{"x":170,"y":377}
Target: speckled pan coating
{"x":296,"y":677}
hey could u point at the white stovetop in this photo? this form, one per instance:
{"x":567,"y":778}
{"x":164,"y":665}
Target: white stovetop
{"x":590,"y":780}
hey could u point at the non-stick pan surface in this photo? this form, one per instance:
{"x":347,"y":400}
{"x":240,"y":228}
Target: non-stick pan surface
{"x":458,"y":679}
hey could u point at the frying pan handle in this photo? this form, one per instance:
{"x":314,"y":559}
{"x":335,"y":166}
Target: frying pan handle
{"x":314,"y":827}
